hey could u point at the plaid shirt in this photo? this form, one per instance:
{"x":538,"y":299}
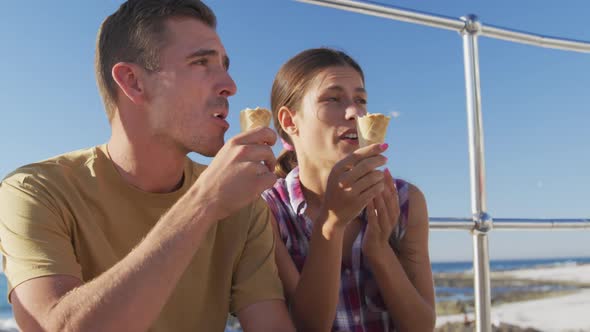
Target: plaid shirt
{"x":360,"y":307}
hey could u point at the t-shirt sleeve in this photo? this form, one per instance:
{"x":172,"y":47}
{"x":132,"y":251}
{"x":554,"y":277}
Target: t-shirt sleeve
{"x":34,"y":238}
{"x":256,"y":278}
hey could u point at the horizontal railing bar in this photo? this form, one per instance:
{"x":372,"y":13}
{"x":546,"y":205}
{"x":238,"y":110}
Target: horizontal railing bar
{"x":395,"y":13}
{"x":449,"y":23}
{"x":451,"y":223}
{"x":511,"y":224}
{"x":535,"y":40}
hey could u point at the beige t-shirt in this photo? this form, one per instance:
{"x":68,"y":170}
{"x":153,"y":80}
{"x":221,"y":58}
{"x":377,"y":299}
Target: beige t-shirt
{"x":74,"y":215}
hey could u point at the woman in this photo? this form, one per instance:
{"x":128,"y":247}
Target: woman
{"x":343,"y":267}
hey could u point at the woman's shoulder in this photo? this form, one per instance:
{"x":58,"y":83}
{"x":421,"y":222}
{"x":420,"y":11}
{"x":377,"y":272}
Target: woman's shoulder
{"x":278,"y":199}
{"x":277,"y":192}
{"x":408,"y":191}
{"x":412,"y":206}
{"x":402,"y":187}
{"x":412,"y":200}
{"x":279,"y":202}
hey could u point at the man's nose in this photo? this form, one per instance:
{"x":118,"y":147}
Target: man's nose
{"x":227,"y":86}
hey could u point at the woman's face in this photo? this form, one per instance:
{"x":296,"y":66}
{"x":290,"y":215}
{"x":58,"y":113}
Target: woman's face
{"x":326,"y":126}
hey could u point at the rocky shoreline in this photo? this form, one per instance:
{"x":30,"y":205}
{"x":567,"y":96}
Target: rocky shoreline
{"x":470,"y":326}
{"x":520,"y":290}
{"x":511,"y":289}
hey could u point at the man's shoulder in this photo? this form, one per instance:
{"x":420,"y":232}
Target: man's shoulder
{"x":253,"y":217}
{"x":197,"y":168}
{"x":57,"y":168}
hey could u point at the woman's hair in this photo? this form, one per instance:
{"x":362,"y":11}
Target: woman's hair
{"x":291,"y":84}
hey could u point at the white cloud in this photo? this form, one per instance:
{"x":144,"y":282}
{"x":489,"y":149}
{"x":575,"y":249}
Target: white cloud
{"x":395,"y":114}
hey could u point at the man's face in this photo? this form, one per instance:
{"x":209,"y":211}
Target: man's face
{"x":187,"y":98}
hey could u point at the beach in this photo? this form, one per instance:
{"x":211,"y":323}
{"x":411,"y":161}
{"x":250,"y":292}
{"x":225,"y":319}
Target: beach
{"x":8,"y":324}
{"x":561,"y":302}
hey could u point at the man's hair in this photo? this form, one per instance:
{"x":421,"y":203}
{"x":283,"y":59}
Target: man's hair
{"x":136,"y":33}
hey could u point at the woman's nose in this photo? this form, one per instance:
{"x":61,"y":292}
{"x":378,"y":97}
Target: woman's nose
{"x":354,"y":111}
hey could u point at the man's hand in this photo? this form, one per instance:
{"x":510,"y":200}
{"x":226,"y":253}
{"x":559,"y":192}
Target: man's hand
{"x":239,"y":173}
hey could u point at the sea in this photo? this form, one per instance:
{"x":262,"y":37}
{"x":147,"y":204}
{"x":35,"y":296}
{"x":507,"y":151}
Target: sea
{"x":442,"y":293}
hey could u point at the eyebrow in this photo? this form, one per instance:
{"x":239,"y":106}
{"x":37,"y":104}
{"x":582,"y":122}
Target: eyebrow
{"x":340,"y":89}
{"x":209,"y":52}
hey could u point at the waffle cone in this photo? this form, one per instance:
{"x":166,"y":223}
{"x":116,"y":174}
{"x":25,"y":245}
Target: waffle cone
{"x":372,"y":128}
{"x":254,"y":118}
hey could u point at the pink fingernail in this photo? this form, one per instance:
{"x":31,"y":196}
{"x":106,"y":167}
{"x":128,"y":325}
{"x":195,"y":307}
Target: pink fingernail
{"x":387,"y":171}
{"x":384,"y":146}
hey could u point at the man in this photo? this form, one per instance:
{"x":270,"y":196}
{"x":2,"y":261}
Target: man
{"x":132,"y":235}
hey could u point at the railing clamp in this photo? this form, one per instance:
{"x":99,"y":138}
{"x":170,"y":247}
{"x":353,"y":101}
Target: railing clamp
{"x":483,"y":223}
{"x":472,"y":25}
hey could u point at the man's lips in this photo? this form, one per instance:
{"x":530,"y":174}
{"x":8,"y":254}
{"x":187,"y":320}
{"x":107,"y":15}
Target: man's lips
{"x":221,"y":113}
{"x":220,"y":121}
{"x":220,"y":105}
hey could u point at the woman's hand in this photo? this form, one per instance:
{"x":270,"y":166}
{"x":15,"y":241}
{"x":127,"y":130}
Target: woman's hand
{"x":382,"y":215}
{"x":352,"y":184}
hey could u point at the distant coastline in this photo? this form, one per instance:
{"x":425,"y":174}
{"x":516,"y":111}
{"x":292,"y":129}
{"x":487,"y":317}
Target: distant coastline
{"x":509,"y":264}
{"x":454,"y":280}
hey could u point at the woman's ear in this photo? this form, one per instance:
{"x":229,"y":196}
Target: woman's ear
{"x":287,"y":121}
{"x":128,"y":77}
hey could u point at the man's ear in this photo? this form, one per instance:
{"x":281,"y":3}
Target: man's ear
{"x":128,"y":77}
{"x":286,"y":119}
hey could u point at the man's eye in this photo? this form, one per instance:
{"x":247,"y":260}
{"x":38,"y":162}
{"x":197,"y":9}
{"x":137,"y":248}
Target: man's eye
{"x":361,"y":101}
{"x":200,"y":62}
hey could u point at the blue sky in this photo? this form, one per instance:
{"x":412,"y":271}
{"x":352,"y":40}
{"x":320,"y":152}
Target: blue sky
{"x":535,"y":101}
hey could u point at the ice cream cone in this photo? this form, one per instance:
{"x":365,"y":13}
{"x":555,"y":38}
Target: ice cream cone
{"x":371,"y":128}
{"x":253,"y":118}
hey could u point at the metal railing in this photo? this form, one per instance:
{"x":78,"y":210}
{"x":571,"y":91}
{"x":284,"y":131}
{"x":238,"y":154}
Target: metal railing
{"x":512,"y":224}
{"x":481,"y":222}
{"x":451,"y":23}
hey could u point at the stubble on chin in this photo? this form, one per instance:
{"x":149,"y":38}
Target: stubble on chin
{"x":208,"y":147}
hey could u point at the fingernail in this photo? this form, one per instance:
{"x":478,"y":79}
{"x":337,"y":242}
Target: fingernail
{"x":384,"y":146}
{"x":387,"y":171}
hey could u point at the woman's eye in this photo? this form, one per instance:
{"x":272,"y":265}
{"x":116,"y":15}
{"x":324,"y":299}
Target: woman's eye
{"x":332,"y":99}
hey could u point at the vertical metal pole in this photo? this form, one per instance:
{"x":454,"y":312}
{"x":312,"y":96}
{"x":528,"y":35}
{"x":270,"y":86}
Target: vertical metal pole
{"x":482,"y":221}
